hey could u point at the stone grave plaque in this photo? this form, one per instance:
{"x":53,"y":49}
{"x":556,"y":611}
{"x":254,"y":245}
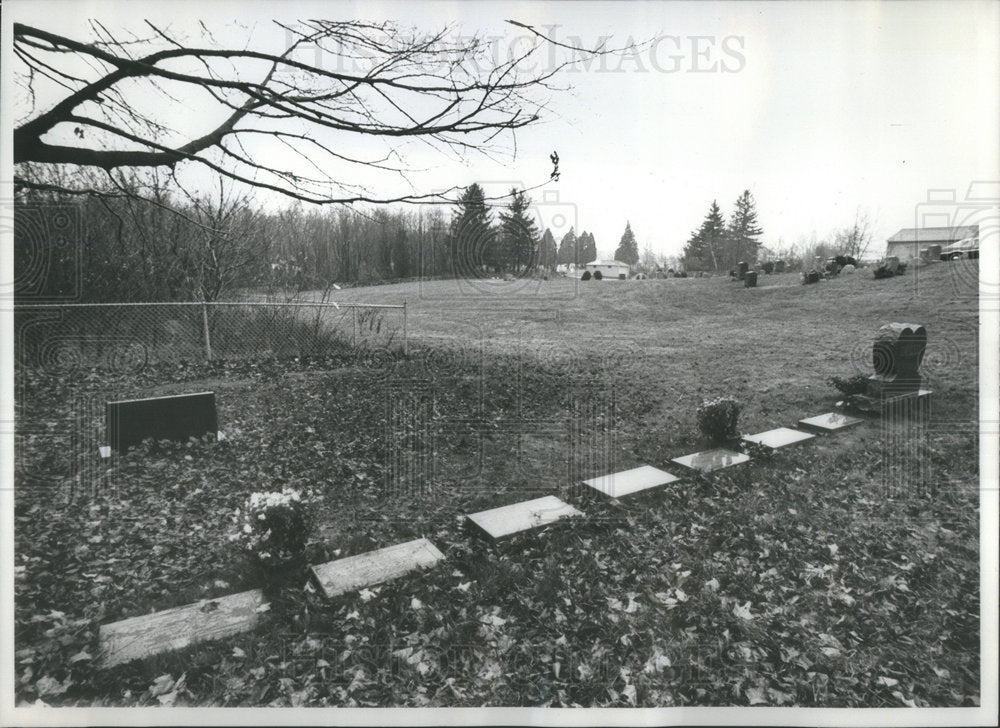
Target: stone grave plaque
{"x":174,"y":629}
{"x":174,"y":417}
{"x":375,"y":567}
{"x":779,"y":437}
{"x":627,"y":482}
{"x":830,"y":422}
{"x":934,"y":252}
{"x":709,"y":460}
{"x":741,"y":269}
{"x":505,"y":521}
{"x":750,"y":279}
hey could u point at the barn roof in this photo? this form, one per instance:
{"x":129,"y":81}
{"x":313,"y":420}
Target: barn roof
{"x":935,"y":234}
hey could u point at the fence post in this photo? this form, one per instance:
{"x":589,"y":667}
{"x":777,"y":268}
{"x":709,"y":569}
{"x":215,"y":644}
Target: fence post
{"x":354,"y":327}
{"x":405,"y":344}
{"x":208,"y":337}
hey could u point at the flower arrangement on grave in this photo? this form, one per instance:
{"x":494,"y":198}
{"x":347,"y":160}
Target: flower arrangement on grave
{"x":273,"y":528}
{"x":857,"y":384}
{"x":717,"y":419}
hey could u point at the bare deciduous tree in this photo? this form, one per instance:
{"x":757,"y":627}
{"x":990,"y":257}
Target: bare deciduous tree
{"x":119,"y":102}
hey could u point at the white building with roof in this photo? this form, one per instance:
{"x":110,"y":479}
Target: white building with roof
{"x":609,"y":268}
{"x":908,"y":242}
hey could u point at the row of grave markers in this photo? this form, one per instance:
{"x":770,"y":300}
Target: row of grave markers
{"x":194,"y":414}
{"x":896,"y":356}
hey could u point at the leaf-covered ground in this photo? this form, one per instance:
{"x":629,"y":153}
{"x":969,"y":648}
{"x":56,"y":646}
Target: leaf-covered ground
{"x":831,"y":574}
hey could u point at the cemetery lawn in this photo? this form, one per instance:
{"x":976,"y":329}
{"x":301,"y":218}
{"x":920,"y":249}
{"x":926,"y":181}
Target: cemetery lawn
{"x":806,"y":578}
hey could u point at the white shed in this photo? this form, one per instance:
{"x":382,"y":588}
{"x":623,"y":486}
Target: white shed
{"x":609,"y":268}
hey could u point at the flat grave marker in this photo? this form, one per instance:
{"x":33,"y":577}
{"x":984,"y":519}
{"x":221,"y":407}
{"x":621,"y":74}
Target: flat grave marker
{"x":830,"y":422}
{"x":173,"y":417}
{"x":627,"y":482}
{"x":708,"y":461}
{"x":779,"y":437}
{"x":508,"y":520}
{"x":174,"y":629}
{"x":374,"y":567}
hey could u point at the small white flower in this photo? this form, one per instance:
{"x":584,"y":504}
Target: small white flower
{"x":246,"y":528}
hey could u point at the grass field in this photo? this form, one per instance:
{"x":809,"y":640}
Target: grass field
{"x":814,"y":577}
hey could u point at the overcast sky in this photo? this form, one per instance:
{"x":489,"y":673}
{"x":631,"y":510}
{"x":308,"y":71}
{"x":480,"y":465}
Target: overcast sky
{"x":817,"y":108}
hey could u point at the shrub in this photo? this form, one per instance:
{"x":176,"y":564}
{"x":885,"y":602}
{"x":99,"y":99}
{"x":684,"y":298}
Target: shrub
{"x":585,"y":276}
{"x":857,"y":384}
{"x":717,"y":419}
{"x":883,"y":271}
{"x":273,"y":528}
{"x":901,"y":269}
{"x":597,"y":275}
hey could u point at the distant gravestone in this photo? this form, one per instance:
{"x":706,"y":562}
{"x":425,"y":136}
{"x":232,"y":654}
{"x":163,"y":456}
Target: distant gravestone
{"x":710,"y":460}
{"x":892,"y":263}
{"x":750,"y":279}
{"x":810,"y":277}
{"x":779,"y":266}
{"x":741,"y":269}
{"x":934,"y":252}
{"x":174,"y":417}
{"x":830,"y":422}
{"x":779,"y":437}
{"x":897,"y":353}
{"x":767,"y":267}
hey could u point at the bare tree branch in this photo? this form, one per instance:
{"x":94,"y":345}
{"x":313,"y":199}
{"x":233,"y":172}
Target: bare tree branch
{"x":370,"y":80}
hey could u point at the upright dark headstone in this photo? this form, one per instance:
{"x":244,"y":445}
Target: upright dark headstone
{"x":175,"y":417}
{"x":767,"y":267}
{"x":779,"y":266}
{"x":896,"y":356}
{"x":750,"y":279}
{"x":810,"y":277}
{"x":741,"y":268}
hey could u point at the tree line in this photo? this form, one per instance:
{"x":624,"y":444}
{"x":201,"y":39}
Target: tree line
{"x":164,"y":246}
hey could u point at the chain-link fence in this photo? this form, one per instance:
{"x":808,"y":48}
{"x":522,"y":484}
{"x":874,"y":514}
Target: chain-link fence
{"x":126,"y":335}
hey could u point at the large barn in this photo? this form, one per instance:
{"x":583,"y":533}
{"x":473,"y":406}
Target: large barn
{"x":608,"y":268}
{"x":908,"y":242}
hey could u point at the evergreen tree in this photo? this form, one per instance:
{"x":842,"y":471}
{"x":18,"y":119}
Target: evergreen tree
{"x":472,"y":238}
{"x":743,"y":231}
{"x":704,"y":249}
{"x":567,"y":248}
{"x":520,"y":234}
{"x":588,"y":249}
{"x":547,"y":250}
{"x":628,"y":248}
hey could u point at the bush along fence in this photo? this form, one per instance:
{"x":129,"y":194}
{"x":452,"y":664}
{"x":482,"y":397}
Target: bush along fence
{"x":127,"y":335}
